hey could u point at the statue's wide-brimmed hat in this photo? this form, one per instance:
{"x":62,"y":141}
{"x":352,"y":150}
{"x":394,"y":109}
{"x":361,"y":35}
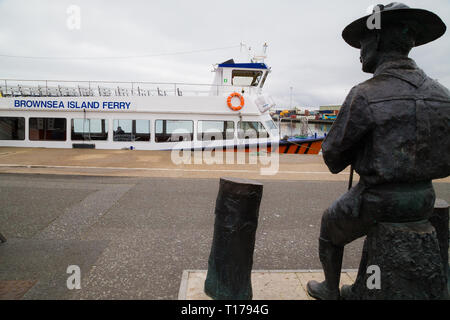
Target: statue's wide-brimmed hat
{"x":428,"y":25}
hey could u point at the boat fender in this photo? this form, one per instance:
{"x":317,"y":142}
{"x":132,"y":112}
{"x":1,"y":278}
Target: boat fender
{"x":237,"y":95}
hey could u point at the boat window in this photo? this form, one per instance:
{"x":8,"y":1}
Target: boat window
{"x":271,"y":125}
{"x":215,"y":130}
{"x":174,"y":130}
{"x":251,"y":129}
{"x":89,"y":129}
{"x":12,"y":128}
{"x":246,"y":77}
{"x":131,"y":130}
{"x":264,"y":79}
{"x":49,"y":129}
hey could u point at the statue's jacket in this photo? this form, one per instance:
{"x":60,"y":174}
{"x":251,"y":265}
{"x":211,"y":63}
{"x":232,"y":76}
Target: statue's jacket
{"x":394,"y":128}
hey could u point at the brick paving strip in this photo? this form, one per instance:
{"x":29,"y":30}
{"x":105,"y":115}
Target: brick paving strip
{"x":15,"y":289}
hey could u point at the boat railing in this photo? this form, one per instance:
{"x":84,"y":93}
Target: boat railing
{"x":68,"y":88}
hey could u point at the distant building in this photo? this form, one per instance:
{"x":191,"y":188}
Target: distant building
{"x":330,"y":109}
{"x":328,"y":112}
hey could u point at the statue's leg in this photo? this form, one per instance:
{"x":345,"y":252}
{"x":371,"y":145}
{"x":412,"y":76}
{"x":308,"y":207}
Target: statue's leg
{"x":331,"y":259}
{"x":347,"y":291}
{"x":330,"y":256}
{"x":340,"y":225}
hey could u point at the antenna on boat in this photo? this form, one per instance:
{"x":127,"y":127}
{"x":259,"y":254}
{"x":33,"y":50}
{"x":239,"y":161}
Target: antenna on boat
{"x":247,"y":49}
{"x":254,"y":58}
{"x":243,"y":45}
{"x":260,"y":58}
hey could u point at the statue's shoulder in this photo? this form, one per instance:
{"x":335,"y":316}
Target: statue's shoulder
{"x":375,"y":84}
{"x":437,"y":89}
{"x":360,"y":92}
{"x":388,"y":86}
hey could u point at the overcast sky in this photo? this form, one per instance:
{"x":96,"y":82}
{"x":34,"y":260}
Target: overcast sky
{"x":305,"y":50}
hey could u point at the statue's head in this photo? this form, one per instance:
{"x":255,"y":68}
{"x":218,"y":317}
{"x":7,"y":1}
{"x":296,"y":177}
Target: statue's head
{"x":396,"y":40}
{"x":391,"y":30}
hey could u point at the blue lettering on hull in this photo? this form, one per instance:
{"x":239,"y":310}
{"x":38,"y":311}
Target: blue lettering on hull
{"x":54,"y":104}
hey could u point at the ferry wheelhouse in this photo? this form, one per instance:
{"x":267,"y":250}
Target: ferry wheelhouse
{"x":232,"y":112}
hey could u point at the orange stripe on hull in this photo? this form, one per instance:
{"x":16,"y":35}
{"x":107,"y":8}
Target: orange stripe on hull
{"x":281,"y":149}
{"x":292,"y":149}
{"x":301,"y":148}
{"x":315,"y":147}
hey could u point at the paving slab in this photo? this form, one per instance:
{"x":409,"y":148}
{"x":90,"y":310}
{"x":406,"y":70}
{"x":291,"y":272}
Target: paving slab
{"x":37,"y":269}
{"x":266,"y":284}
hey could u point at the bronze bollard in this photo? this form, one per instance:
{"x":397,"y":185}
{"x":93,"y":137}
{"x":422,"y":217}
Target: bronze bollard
{"x":231,"y":258}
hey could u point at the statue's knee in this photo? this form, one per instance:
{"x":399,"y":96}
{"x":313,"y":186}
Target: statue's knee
{"x":324,"y":229}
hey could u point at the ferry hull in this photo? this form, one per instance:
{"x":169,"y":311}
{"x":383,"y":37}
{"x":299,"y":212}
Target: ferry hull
{"x":311,"y":146}
{"x":301,"y":147}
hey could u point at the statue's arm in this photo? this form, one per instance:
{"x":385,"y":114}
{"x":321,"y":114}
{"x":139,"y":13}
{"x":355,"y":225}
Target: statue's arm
{"x":352,"y":123}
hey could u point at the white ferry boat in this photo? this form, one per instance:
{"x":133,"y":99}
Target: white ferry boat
{"x":231,"y":113}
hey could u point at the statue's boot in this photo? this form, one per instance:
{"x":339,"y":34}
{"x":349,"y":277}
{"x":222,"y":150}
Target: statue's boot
{"x":347,"y":293}
{"x":331,"y":259}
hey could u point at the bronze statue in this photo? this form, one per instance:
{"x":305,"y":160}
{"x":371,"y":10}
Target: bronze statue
{"x":393,"y":129}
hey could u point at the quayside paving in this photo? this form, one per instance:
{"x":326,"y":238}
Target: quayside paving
{"x":135,"y":232}
{"x":139,"y":163}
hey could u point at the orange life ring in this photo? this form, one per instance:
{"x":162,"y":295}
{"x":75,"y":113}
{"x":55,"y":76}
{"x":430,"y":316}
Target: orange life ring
{"x":237,"y":95}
